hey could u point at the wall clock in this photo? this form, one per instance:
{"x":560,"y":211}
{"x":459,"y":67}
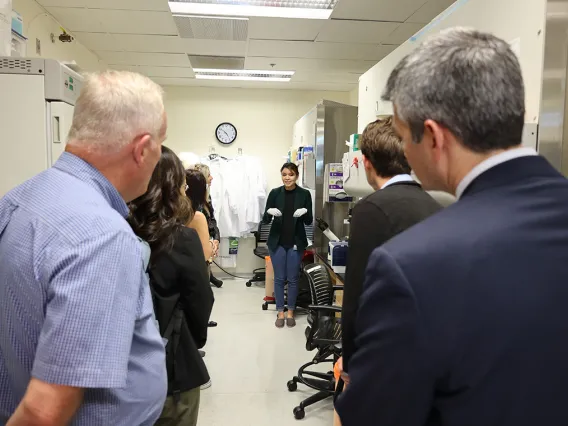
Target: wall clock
{"x":226,"y":133}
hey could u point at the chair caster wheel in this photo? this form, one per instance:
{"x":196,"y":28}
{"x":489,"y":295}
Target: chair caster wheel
{"x":265,"y":306}
{"x":292,"y":386}
{"x":248,"y":284}
{"x":299,"y":413}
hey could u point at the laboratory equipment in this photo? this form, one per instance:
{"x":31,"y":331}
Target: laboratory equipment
{"x":38,"y":98}
{"x":325,"y":128}
{"x":324,"y":227}
{"x":338,"y":256}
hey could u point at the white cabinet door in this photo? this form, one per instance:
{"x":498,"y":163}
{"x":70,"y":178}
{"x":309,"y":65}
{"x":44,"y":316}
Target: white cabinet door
{"x":59,"y":119}
{"x":367,"y":100}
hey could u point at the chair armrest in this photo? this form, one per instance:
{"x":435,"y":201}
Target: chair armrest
{"x":324,"y":308}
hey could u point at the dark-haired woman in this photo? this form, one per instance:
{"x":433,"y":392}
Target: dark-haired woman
{"x":290,"y":208}
{"x":214,"y":233}
{"x":180,"y":284}
{"x":196,"y":192}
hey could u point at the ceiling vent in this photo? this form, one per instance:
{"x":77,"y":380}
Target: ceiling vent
{"x":217,"y":62}
{"x":212,"y":28}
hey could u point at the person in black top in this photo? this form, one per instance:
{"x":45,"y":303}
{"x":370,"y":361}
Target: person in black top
{"x":179,"y":281}
{"x":290,"y":208}
{"x":398,"y":203}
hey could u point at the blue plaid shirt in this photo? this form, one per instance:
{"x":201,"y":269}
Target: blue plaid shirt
{"x":75,"y":305}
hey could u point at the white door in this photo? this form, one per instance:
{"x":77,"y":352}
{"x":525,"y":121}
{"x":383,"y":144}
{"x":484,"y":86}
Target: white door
{"x":22,"y":129}
{"x":59,"y":119}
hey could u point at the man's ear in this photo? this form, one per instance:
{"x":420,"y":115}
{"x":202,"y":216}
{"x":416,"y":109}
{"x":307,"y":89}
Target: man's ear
{"x":367,"y":163}
{"x":435,"y":134}
{"x":141,"y":148}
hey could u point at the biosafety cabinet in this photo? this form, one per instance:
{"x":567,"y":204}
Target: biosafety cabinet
{"x":36,"y":111}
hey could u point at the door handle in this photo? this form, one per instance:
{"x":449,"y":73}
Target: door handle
{"x":56,"y":126}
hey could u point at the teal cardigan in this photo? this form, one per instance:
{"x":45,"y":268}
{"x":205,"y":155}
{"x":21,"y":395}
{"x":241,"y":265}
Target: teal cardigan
{"x":303,"y":199}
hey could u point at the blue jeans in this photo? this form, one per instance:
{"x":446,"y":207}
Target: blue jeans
{"x":286,"y":264}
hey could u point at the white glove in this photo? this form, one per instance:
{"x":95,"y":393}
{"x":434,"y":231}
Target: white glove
{"x":300,"y":212}
{"x":274,"y":212}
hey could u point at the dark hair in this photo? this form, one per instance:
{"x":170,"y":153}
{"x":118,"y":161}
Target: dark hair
{"x":159,"y":214}
{"x":196,"y":188}
{"x":292,"y":167}
{"x":384,"y":149}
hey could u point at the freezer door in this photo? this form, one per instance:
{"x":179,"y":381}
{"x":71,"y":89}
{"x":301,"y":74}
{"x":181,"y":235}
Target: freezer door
{"x":59,"y":119}
{"x":22,"y":129}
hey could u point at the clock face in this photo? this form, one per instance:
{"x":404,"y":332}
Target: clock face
{"x":226,"y":133}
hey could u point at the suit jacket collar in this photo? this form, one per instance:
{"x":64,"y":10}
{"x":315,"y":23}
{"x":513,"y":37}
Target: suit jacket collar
{"x":511,"y":172}
{"x":392,"y":185}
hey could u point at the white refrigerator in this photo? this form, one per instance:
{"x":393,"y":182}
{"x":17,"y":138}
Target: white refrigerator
{"x":36,"y":111}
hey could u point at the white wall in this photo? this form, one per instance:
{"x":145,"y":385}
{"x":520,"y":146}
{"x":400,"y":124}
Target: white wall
{"x":354,"y":97}
{"x":39,"y":24}
{"x":513,"y":20}
{"x":264,"y":120}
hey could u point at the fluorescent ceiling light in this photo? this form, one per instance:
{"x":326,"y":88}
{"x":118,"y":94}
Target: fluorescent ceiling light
{"x":236,"y":18}
{"x":240,"y":78}
{"x":244,"y":75}
{"x":244,"y":72}
{"x":303,"y":9}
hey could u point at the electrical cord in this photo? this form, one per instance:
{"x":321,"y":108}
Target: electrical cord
{"x":228,"y":273}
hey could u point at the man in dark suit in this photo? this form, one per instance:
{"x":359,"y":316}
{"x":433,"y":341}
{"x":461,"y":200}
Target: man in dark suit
{"x":464,"y":317}
{"x":397,"y":203}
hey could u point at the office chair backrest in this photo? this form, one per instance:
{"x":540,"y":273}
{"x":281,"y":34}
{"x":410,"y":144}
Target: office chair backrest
{"x":321,"y":287}
{"x":263,"y":231}
{"x":309,"y":232}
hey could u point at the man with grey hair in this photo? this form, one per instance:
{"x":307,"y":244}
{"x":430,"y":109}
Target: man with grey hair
{"x":78,"y":341}
{"x":464,"y":317}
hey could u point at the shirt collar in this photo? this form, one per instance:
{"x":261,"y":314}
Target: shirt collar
{"x":79,"y":168}
{"x":489,"y":164}
{"x":397,"y":179}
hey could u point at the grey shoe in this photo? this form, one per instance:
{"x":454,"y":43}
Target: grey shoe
{"x":279,"y":322}
{"x":290,"y":322}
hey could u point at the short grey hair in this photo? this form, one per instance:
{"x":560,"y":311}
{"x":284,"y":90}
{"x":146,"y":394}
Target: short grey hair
{"x":469,"y":82}
{"x":113,"y":108}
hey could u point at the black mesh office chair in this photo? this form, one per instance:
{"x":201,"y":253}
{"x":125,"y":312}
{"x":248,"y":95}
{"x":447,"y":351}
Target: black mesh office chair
{"x":260,"y":250}
{"x":324,"y":334}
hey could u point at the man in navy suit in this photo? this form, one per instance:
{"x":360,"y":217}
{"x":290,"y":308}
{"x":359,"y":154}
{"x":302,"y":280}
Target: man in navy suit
{"x":464,"y":317}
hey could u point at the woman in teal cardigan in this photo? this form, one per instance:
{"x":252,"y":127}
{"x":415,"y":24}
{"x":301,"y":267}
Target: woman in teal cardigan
{"x":289,"y":207}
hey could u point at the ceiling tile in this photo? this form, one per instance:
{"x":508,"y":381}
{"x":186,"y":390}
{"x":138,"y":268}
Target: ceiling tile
{"x":158,"y":43}
{"x":284,"y":29}
{"x":376,"y":10}
{"x":157,"y":5}
{"x":356,"y":31}
{"x":403,"y":33}
{"x":115,"y":21}
{"x":215,"y":47}
{"x":131,"y":42}
{"x":166,"y":72}
{"x":325,"y":77}
{"x":297,"y":64}
{"x":430,"y":10}
{"x":317,"y":50}
{"x":151,"y":59}
{"x":339,"y":87}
